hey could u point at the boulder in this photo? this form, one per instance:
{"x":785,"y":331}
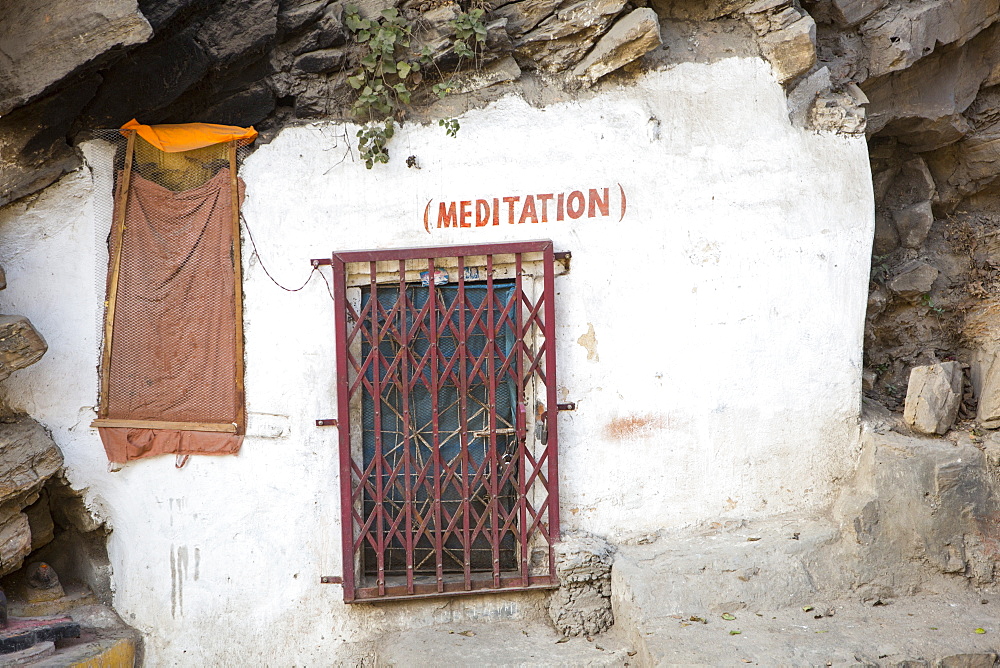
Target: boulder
{"x":20,"y":344}
{"x":933,"y":396}
{"x":524,"y":15}
{"x":903,"y":213}
{"x":913,"y":279}
{"x":563,"y":38}
{"x":913,"y":223}
{"x":787,"y":36}
{"x":46,"y":40}
{"x":630,"y":38}
{"x":28,"y":458}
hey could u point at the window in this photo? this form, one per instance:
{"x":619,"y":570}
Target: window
{"x":446,"y":385}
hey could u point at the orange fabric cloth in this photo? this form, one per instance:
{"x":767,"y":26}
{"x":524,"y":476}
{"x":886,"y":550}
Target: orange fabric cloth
{"x":124,"y":445}
{"x":189,"y":136}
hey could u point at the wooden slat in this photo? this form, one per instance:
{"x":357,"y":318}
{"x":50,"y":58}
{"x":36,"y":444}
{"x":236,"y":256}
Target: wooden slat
{"x":229,"y":428}
{"x":109,"y":315}
{"x":241,"y":415}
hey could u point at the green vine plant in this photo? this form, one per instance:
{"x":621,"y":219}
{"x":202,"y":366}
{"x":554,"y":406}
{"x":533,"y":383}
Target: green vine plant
{"x":385,"y":77}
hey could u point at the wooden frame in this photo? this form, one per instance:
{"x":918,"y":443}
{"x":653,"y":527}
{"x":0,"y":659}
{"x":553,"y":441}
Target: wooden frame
{"x":118,"y":233}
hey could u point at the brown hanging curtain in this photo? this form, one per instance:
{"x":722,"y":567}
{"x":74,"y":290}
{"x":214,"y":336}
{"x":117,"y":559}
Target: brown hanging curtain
{"x":172,"y":368}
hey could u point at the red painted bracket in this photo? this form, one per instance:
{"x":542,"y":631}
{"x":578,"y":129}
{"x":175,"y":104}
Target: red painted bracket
{"x":326,"y":423}
{"x":331,"y":579}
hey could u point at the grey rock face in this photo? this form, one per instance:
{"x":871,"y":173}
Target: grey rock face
{"x":582,"y":604}
{"x":933,"y":396}
{"x":42,"y":41}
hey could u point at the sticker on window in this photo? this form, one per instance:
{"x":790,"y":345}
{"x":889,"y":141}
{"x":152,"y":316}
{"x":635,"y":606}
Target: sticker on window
{"x":440,"y":277}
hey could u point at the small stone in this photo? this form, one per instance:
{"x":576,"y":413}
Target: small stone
{"x":630,"y":38}
{"x":933,"y":396}
{"x":914,"y":279}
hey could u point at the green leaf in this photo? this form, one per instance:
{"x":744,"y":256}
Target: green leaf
{"x":369,"y":61}
{"x":399,"y":88}
{"x":735,"y":633}
{"x":390,"y":13}
{"x":980,"y":631}
{"x":403,"y":69}
{"x":367,"y":90}
{"x":364,"y":36}
{"x":728,"y":617}
{"x":355,"y":82}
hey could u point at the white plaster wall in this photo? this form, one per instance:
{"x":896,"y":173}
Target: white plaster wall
{"x":727,"y":307}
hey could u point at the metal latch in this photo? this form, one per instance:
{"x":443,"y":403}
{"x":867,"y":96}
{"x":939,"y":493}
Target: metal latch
{"x":485,"y":433}
{"x":326,"y":423}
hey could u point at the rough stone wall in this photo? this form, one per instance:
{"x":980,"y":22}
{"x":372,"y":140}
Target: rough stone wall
{"x":582,"y":604}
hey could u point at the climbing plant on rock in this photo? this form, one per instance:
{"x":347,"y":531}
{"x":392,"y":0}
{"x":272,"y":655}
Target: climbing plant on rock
{"x":387,"y":74}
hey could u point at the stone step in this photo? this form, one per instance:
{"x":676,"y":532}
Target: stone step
{"x":104,"y":653}
{"x":747,"y":595}
{"x":531,"y":644}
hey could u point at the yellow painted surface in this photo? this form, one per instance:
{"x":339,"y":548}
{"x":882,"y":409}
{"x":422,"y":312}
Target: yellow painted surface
{"x":119,"y":654}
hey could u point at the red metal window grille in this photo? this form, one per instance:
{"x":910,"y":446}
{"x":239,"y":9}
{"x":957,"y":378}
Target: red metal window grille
{"x":446,"y":396}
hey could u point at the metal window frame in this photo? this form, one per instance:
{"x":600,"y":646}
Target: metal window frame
{"x":537,"y":465}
